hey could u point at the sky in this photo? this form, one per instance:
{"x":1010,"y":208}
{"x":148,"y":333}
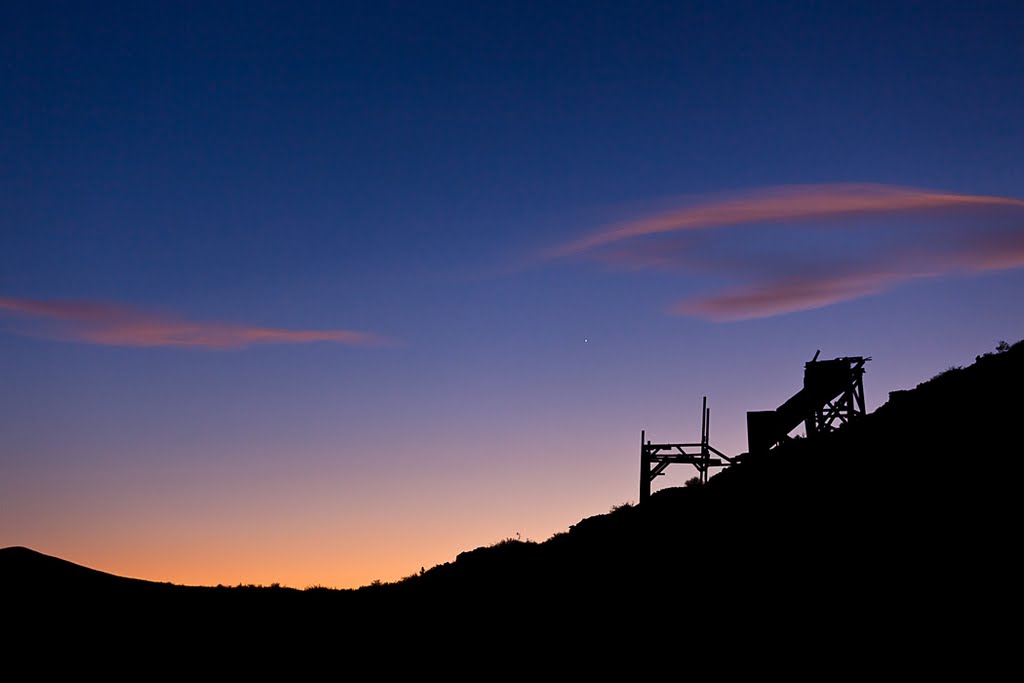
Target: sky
{"x":324,"y":293}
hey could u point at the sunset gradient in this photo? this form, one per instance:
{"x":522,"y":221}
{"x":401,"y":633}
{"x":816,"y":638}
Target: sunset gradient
{"x":324,"y":293}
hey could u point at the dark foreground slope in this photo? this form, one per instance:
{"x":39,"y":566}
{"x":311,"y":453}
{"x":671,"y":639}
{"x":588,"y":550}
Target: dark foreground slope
{"x":906,"y":518}
{"x":920,"y":489}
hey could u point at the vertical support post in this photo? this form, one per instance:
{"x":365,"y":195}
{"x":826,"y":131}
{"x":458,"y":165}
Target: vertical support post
{"x":859,"y":392}
{"x":704,"y":422}
{"x":645,"y":469}
{"x":705,"y":453}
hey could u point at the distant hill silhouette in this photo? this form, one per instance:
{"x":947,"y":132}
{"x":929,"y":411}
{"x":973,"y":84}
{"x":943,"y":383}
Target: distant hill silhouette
{"x":35,"y":571}
{"x":907,"y":516}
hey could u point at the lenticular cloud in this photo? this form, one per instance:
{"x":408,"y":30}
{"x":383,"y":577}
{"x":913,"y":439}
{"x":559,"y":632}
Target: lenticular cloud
{"x":112,"y":324}
{"x":978,"y":242}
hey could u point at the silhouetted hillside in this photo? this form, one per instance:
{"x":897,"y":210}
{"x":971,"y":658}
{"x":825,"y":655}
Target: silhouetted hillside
{"x":906,"y":513}
{"x":31,"y":570}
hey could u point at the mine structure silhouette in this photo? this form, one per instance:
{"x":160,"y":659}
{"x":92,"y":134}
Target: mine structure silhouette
{"x":832,"y":396}
{"x":656,"y":457}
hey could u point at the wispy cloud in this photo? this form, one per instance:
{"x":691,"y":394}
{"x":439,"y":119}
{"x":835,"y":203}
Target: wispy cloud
{"x":796,"y":280}
{"x":111,"y":324}
{"x":790,"y":294}
{"x":783,"y":203}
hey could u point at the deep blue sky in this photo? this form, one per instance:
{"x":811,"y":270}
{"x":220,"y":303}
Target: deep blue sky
{"x":395,"y":168}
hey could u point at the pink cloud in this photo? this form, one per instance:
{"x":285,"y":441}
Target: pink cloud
{"x":782,"y":203}
{"x":767,"y":297}
{"x":811,"y":273}
{"x":986,"y":251}
{"x":112,"y":324}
